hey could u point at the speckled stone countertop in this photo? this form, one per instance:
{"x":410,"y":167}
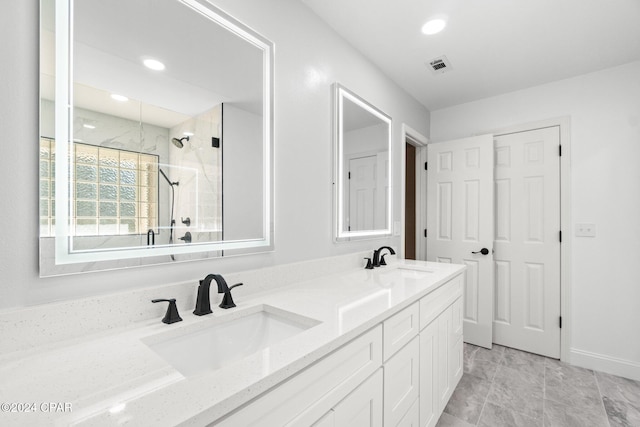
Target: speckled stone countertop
{"x":112,"y":377}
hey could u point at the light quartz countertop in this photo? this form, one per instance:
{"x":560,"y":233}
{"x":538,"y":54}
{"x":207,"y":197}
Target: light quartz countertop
{"x":113,"y":377}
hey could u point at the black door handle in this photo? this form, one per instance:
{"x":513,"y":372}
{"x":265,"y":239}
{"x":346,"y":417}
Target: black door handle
{"x":483,"y":251}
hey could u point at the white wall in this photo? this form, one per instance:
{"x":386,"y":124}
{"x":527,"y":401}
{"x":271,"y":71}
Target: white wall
{"x":309,"y":57}
{"x":242,"y":174}
{"x":604,"y":108}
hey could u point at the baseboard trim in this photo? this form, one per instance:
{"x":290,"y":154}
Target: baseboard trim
{"x":604,"y":363}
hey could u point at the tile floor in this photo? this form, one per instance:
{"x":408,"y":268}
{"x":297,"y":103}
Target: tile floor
{"x":511,"y":388}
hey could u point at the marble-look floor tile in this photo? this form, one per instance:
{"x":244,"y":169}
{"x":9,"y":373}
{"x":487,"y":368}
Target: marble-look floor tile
{"x":517,"y":391}
{"x":468,"y":398}
{"x":480,"y":368}
{"x":621,"y":414}
{"x":618,"y":388}
{"x":524,"y":362}
{"x":480,"y":353}
{"x":447,"y":420}
{"x":571,"y":385}
{"x":559,"y":415}
{"x":497,"y":416}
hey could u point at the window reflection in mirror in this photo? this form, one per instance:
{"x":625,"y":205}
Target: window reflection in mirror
{"x":167,"y":132}
{"x":363,"y":167}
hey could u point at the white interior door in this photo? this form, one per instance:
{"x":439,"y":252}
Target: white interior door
{"x":460,"y":222}
{"x":527,"y":244}
{"x":362,"y":193}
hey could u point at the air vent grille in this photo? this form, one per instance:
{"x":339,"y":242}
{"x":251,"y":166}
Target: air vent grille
{"x":439,"y":65}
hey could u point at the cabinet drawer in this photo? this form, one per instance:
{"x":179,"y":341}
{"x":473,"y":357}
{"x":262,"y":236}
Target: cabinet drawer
{"x":399,"y":329}
{"x":437,"y":301}
{"x":401,"y":382}
{"x":309,"y":395}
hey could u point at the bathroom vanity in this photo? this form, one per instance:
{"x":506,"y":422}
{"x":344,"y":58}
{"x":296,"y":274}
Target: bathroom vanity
{"x":354,"y":347}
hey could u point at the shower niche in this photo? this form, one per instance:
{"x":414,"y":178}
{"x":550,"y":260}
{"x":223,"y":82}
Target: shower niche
{"x":155,"y":144}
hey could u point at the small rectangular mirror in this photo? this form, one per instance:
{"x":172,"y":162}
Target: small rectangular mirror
{"x":362,"y":167}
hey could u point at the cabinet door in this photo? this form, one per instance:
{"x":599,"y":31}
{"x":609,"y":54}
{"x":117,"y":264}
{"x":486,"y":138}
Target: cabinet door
{"x":411,"y":418}
{"x":456,"y":361}
{"x":429,"y":411}
{"x":456,"y":358}
{"x":401,"y":382}
{"x":363,"y":407}
{"x":444,"y":348}
{"x":328,"y":420}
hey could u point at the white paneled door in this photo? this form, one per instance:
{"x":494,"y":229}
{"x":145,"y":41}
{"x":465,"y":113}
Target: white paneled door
{"x":460,"y":224}
{"x":362,"y":193}
{"x":368,"y":192}
{"x":527,"y":243}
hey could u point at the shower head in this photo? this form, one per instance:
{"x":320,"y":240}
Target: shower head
{"x":178,"y":142}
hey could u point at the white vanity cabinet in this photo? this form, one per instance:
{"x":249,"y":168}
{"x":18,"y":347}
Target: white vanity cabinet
{"x":441,"y":349}
{"x":401,"y":366}
{"x":309,"y":397}
{"x":400,"y":373}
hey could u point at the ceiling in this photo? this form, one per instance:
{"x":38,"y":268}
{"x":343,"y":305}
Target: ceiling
{"x":205,"y":64}
{"x":494,"y":46}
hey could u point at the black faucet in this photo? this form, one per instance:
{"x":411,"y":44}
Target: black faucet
{"x":203,"y":303}
{"x":172,"y":315}
{"x":376,"y":256}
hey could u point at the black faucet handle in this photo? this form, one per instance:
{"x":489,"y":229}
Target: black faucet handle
{"x":227,"y":299}
{"x":236,"y":285}
{"x":172,"y":315}
{"x":382,"y":261}
{"x":369,"y":264}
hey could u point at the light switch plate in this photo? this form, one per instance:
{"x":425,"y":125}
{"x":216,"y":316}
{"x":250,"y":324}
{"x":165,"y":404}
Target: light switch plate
{"x":585,"y":230}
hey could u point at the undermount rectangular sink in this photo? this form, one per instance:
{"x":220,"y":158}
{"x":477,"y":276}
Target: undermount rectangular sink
{"x":197,"y":348}
{"x":409,"y":272}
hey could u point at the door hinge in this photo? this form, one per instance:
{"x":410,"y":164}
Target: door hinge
{"x":560,"y":235}
{"x":425,"y":232}
{"x":560,"y":322}
{"x":560,"y":150}
{"x":426,"y":165}
{"x":349,"y":175}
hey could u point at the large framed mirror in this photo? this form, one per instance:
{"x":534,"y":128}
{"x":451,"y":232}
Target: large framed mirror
{"x":362,"y":167}
{"x":156,"y":134}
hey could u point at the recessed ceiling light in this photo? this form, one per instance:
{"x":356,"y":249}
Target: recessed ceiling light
{"x":187,"y":133}
{"x":433,"y":26}
{"x":88,"y":126}
{"x":153,"y":64}
{"x":120,"y":98}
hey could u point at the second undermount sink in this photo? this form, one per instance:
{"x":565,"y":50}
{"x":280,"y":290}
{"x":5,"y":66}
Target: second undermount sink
{"x":199,"y":348}
{"x":406,"y":272}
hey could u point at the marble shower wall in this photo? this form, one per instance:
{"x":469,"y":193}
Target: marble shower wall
{"x":198,"y":169}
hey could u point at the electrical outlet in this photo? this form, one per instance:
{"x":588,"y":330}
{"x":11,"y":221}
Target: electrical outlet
{"x":586,"y":230}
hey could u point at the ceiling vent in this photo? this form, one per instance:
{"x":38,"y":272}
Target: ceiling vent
{"x":439,"y":65}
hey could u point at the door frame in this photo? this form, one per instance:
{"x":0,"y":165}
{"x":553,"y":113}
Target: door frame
{"x":419,"y":141}
{"x":565,"y":219}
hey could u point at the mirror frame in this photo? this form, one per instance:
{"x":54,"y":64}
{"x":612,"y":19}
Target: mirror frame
{"x":64,"y":253}
{"x":340,"y":93}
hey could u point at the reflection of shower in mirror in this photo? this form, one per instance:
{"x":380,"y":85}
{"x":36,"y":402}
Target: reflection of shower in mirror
{"x":178,"y":142}
{"x":172,"y":222}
